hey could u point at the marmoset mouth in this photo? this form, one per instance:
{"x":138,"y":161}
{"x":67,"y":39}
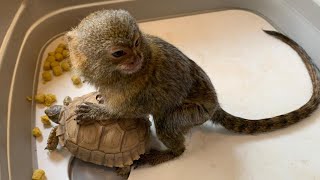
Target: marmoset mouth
{"x":132,"y":67}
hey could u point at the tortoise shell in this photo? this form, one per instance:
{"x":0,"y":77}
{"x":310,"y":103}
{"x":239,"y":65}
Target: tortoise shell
{"x":116,"y":144}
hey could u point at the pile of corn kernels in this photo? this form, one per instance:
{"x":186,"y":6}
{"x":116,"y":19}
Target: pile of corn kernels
{"x":57,"y":62}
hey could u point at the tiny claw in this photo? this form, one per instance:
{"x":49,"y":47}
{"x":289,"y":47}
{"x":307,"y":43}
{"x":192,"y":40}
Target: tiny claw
{"x":78,"y":111}
{"x":79,"y":117}
{"x":82,"y":106}
{"x":88,"y":103}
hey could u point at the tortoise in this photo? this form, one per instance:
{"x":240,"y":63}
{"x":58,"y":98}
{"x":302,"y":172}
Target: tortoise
{"x":112,"y":143}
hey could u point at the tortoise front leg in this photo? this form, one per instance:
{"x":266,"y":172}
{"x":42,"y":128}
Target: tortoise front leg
{"x":53,"y":140}
{"x":123,"y":171}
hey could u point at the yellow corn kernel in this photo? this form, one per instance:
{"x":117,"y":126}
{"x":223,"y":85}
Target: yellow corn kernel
{"x":40,"y":98}
{"x":59,"y":57}
{"x":65,"y":66}
{"x":61,"y":45}
{"x":36,"y":132}
{"x":51,"y":58}
{"x":51,"y":53}
{"x":57,"y":70}
{"x":65,"y":53}
{"x":46,"y":75}
{"x":76,"y":80}
{"x":59,"y":50}
{"x":38,"y":174}
{"x":46,"y":66}
{"x":45,"y":120}
{"x":54,"y":64}
{"x":49,"y":99}
{"x":51,"y":95}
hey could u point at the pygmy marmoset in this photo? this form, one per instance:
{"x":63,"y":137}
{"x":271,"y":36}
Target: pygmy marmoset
{"x":139,"y":74}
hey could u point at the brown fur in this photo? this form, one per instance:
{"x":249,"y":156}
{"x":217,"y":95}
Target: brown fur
{"x":169,"y":85}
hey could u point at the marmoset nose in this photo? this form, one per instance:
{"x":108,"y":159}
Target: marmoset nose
{"x":132,"y":60}
{"x":137,"y":54}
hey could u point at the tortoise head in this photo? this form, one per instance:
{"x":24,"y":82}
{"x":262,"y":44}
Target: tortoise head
{"x":53,"y":113}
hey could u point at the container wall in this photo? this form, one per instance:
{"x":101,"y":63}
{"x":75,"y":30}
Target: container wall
{"x":41,"y":20}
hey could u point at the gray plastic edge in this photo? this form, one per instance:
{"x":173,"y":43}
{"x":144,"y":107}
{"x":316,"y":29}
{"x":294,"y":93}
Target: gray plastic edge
{"x":282,"y":14}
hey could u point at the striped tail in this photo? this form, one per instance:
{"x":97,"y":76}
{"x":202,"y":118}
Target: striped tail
{"x":246,"y":126}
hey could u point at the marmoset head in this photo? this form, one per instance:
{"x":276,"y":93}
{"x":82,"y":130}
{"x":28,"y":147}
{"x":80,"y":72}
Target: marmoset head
{"x":106,"y":42}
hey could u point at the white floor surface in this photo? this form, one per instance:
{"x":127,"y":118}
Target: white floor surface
{"x":255,"y":75}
